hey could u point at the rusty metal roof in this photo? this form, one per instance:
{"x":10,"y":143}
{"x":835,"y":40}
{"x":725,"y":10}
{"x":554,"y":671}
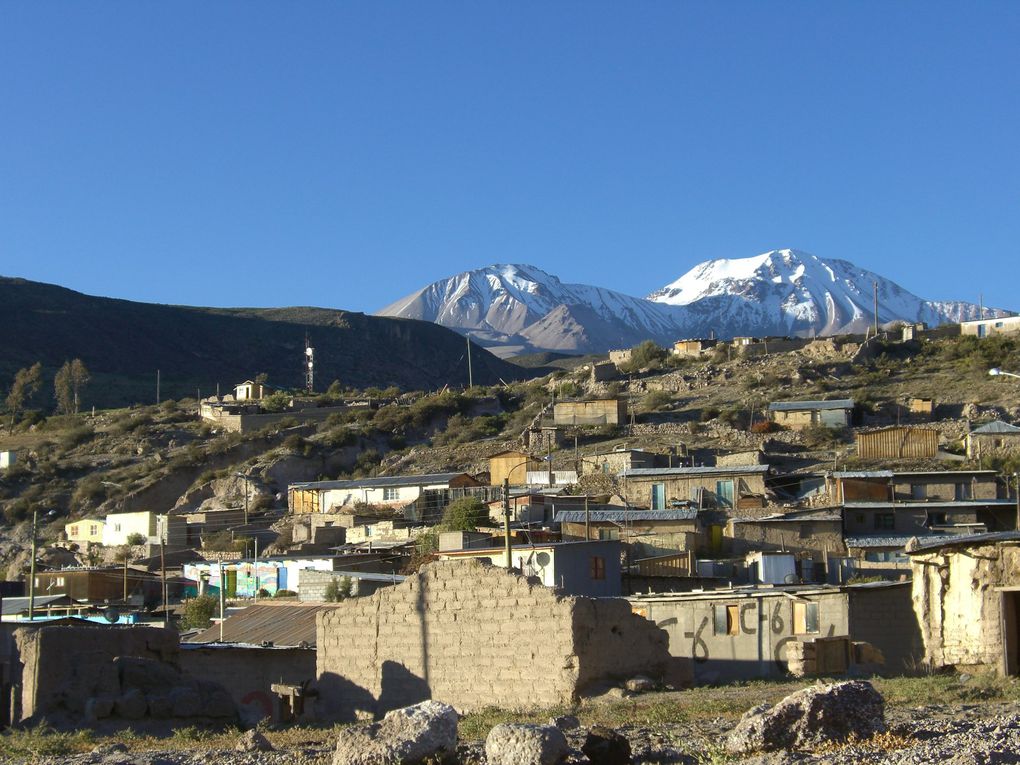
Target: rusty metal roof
{"x":290,"y":624}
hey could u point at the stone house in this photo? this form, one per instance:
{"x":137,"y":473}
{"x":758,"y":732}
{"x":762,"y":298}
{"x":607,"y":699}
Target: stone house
{"x":799,"y":415}
{"x":966,"y":593}
{"x":612,"y":463}
{"x":725,"y":488}
{"x":608,"y":411}
{"x":995,"y":439}
{"x":813,"y":535}
{"x":470,"y":635}
{"x":912,"y":485}
{"x":620,"y":356}
{"x":693,"y":349}
{"x":646,"y":532}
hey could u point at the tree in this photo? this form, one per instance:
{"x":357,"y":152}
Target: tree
{"x":26,"y":384}
{"x":68,"y":382}
{"x":464,"y":514}
{"x":198,"y":612}
{"x":136,"y":538}
{"x":339,"y":589}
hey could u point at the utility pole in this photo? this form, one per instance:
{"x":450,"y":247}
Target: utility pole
{"x":256,"y":569}
{"x":587,"y":520}
{"x":874,"y":285}
{"x":471,"y":379}
{"x":162,"y":576}
{"x":1017,"y":477}
{"x":223,"y":597}
{"x":548,"y":454}
{"x":157,"y":387}
{"x":31,"y":570}
{"x":126,"y":555}
{"x":506,"y":523}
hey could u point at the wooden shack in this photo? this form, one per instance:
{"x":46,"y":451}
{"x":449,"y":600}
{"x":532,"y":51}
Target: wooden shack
{"x":898,"y":443}
{"x":606,"y":411}
{"x":512,"y":465}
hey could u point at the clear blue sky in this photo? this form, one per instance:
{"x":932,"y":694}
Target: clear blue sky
{"x":345,"y":154}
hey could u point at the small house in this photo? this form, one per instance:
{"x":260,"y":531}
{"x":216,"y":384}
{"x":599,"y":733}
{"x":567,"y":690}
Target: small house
{"x":7,"y":459}
{"x":798,"y":415}
{"x":120,"y":527}
{"x":607,"y":411}
{"x":652,"y":532}
{"x":620,"y":356}
{"x":85,"y":531}
{"x":725,"y":488}
{"x":898,"y":443}
{"x":592,"y":569}
{"x":611,"y":463}
{"x":1002,"y":325}
{"x":251,"y":390}
{"x":693,"y":349}
{"x":996,"y":439}
{"x":512,"y":466}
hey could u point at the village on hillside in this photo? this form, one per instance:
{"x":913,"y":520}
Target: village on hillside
{"x":793,"y":535}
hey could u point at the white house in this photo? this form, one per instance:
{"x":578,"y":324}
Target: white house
{"x":120,"y":526}
{"x":6,"y":459}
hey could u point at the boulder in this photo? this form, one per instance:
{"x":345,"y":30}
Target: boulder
{"x":147,"y":675}
{"x":131,"y":705}
{"x":809,"y":718}
{"x":640,"y":684}
{"x":253,"y":741}
{"x":403,"y":737}
{"x":565,"y":722}
{"x":604,"y":746}
{"x":98,"y":707}
{"x":522,"y":744}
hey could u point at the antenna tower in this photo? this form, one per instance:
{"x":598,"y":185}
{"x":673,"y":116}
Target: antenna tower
{"x":309,"y":366}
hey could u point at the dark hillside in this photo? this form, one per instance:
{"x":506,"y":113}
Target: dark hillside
{"x":123,"y":343}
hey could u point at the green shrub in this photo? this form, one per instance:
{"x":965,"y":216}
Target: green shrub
{"x":136,"y":538}
{"x":339,"y":588}
{"x":464,"y":514}
{"x":198,"y":612}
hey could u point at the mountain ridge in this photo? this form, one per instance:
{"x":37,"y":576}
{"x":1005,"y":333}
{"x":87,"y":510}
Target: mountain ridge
{"x":521,"y":308}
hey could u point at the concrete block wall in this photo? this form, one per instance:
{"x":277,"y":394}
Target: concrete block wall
{"x":473,"y":635}
{"x":884,"y":617}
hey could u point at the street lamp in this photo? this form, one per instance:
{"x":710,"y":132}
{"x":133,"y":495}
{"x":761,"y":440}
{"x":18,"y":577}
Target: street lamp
{"x":995,"y":372}
{"x":31,"y":572}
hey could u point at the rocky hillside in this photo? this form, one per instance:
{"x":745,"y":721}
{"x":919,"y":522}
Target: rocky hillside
{"x":123,"y":343}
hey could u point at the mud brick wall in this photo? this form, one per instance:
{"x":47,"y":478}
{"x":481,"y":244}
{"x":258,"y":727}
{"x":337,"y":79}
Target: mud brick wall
{"x":473,"y":635}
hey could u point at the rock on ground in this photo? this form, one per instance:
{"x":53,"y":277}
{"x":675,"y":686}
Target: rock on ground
{"x":811,"y":717}
{"x":604,"y":746}
{"x":403,"y":737}
{"x":253,"y":741}
{"x":522,"y":744}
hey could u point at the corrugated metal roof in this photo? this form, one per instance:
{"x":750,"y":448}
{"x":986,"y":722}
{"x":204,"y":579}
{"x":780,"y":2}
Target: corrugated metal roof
{"x":796,"y":406}
{"x":965,"y":539}
{"x":877,"y":540}
{"x":930,"y":505}
{"x":682,"y":471}
{"x":998,"y":428}
{"x":791,"y":518}
{"x":14,"y":606}
{"x":862,"y":474}
{"x":623,"y":516}
{"x":380,"y":481}
{"x":279,"y":624}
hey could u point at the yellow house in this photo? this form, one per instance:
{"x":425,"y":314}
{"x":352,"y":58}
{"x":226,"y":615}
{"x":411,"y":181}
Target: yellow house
{"x":512,"y":465}
{"x":85,"y":531}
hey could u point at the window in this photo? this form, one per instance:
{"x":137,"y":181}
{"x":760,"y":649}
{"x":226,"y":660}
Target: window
{"x":390,"y":493}
{"x":885,"y":521}
{"x":918,"y":491}
{"x":74,"y":531}
{"x":116,"y":527}
{"x":598,"y":567}
{"x":727,"y":619}
{"x":368,"y":531}
{"x":805,"y":618}
{"x":724,"y":493}
{"x":886,"y":556}
{"x":963,"y":490}
{"x":658,"y":496}
{"x":607,"y":534}
{"x":93,"y":529}
{"x":60,"y":581}
{"x":936,"y":519}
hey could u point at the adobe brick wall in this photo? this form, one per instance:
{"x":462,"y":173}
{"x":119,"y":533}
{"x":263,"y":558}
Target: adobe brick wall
{"x":473,"y":635}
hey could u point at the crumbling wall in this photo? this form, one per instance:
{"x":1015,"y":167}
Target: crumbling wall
{"x":474,"y":635}
{"x":958,"y":605}
{"x":71,"y":674}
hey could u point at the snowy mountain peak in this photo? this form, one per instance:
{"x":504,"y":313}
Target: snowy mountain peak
{"x":521,"y":308}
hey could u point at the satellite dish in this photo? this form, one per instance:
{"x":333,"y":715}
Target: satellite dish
{"x":112,"y":615}
{"x":791,"y":579}
{"x":542,"y":559}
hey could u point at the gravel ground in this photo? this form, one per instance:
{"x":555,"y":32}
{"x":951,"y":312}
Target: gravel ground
{"x":959,"y":734}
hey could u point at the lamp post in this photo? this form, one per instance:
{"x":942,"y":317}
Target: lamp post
{"x":31,"y":570}
{"x":996,"y":372}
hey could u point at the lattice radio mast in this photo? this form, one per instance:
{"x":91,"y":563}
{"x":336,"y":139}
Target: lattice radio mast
{"x":309,"y":366}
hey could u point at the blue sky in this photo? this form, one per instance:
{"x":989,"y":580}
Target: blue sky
{"x":345,"y":154}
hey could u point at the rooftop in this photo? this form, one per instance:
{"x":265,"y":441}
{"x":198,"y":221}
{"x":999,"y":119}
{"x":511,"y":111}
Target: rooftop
{"x":381,"y":481}
{"x":290,"y":624}
{"x":682,"y":471}
{"x":996,"y":428}
{"x":623,"y":516}
{"x":933,"y":504}
{"x":956,"y":540}
{"x":796,"y":406}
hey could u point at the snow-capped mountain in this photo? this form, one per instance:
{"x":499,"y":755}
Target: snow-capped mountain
{"x":523,"y":308}
{"x":793,"y":293}
{"x":520,"y":308}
